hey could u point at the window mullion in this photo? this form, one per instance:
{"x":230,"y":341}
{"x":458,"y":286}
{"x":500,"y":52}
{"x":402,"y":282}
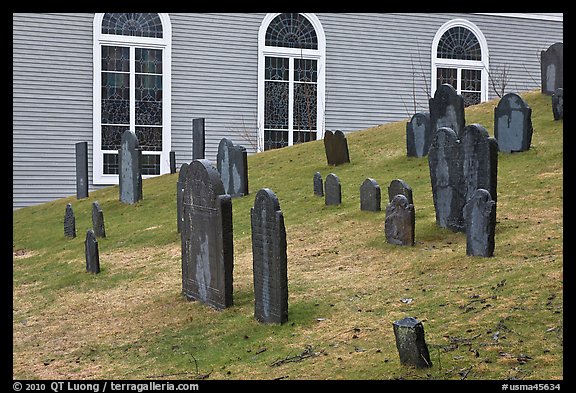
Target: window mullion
{"x":290,"y":101}
{"x":132,"y":89}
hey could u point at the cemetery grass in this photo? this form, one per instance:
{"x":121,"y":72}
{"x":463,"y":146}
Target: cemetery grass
{"x":484,"y":318}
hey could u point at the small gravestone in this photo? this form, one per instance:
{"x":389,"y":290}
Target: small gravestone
{"x":180,"y":184}
{"x":513,"y":124}
{"x":480,"y":219}
{"x":232,"y":164}
{"x":558,"y":104}
{"x":418,"y":135}
{"x":172,"y":162}
{"x":129,"y":168}
{"x":332,"y":190}
{"x":447,"y":109}
{"x":370,"y":195}
{"x":269,"y":259}
{"x":411,"y":343}
{"x":98,"y":220}
{"x":318,"y":184}
{"x":81,"y":170}
{"x":552,"y":68}
{"x":207,"y":237}
{"x":91,"y":250}
{"x":198,"y":138}
{"x":400,"y":221}
{"x":400,"y":187}
{"x":69,"y":222}
{"x":336,"y":148}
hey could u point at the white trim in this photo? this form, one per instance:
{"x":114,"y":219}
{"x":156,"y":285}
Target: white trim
{"x":550,"y":16}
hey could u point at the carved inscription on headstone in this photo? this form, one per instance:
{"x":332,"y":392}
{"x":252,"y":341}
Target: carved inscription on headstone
{"x":513,"y":124}
{"x":318,"y":184}
{"x":98,"y":220}
{"x":91,"y":251}
{"x":447,"y":109}
{"x":332,"y":190}
{"x":418,"y":135}
{"x":552,"y":68}
{"x":411,"y":343}
{"x":370,"y":195}
{"x":69,"y":222}
{"x":336,"y":147}
{"x":232,"y":164}
{"x":180,"y":184}
{"x":400,"y":221}
{"x":480,"y":219}
{"x":129,"y":169}
{"x":81,"y":170}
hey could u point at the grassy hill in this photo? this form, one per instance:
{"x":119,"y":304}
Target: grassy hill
{"x":484,"y":318}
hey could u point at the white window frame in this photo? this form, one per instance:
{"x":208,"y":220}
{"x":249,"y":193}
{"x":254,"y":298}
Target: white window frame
{"x":165,"y":44}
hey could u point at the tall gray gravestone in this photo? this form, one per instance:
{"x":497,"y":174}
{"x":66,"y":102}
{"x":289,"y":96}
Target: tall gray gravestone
{"x":232,"y":164}
{"x":198,"y":138}
{"x":332,"y":190}
{"x":270,"y":266}
{"x":399,"y":224}
{"x":81,"y":170}
{"x":69,"y":222}
{"x":418,"y":135}
{"x":370,"y":195}
{"x":411,"y":343}
{"x":513,"y":124}
{"x":98,"y":220}
{"x":318,"y":184}
{"x":552,"y":68}
{"x":558,"y":104}
{"x":480,"y":219}
{"x":336,"y":148}
{"x":91,"y":252}
{"x":400,"y":187}
{"x":172,"y":162}
{"x":129,"y":168}
{"x":447,"y":109}
{"x":207,"y":237}
{"x":180,"y":185}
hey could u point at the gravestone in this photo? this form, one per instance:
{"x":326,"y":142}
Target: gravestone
{"x":400,"y":187}
{"x":198,"y":138}
{"x":418,"y":135}
{"x":558,"y":104}
{"x":336,"y":147}
{"x":400,"y":221}
{"x":318,"y":184}
{"x":270,"y":267}
{"x":69,"y":222}
{"x":370,"y":195}
{"x":207,"y":237}
{"x":513,"y":124}
{"x":180,"y":185}
{"x":81,"y":170}
{"x":552,"y":68}
{"x":447,"y":109}
{"x":411,"y":343}
{"x":232,"y":164}
{"x":129,"y":168}
{"x":332,"y":190}
{"x":98,"y":220}
{"x":480,"y":219}
{"x":172,"y":162}
{"x":91,"y":252}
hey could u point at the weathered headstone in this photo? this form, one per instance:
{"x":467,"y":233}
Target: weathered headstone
{"x":399,"y":224}
{"x":370,"y":195}
{"x":400,"y":187}
{"x":81,"y":170}
{"x":318,"y":184}
{"x":418,"y":135}
{"x":513,"y":124}
{"x":98,"y":220}
{"x":332,"y":190}
{"x":336,"y":147}
{"x":411,"y":343}
{"x":232,"y":164}
{"x":69,"y":222}
{"x":198,"y":138}
{"x":558,"y":104}
{"x":552,"y":68}
{"x":91,"y":252}
{"x":207,"y":237}
{"x":172,"y":162}
{"x":129,"y":168}
{"x":270,"y":265}
{"x":180,"y":185}
{"x":480,"y":219}
{"x":447,"y":109}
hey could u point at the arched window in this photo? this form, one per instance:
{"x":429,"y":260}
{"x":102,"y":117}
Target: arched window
{"x":291,"y":69}
{"x":460,"y":58}
{"x":131,"y":90}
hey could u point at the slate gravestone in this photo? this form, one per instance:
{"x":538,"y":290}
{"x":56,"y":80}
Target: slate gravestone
{"x":129,"y":168}
{"x":232,"y":164}
{"x":418,"y":135}
{"x":332,"y":190}
{"x":207,"y":241}
{"x":447,"y":109}
{"x":400,"y":187}
{"x":480,"y":219}
{"x":400,"y":221}
{"x":172,"y":162}
{"x":411,"y":343}
{"x":370,"y":195}
{"x":69,"y":222}
{"x":91,"y":251}
{"x":270,"y":265}
{"x":336,"y":147}
{"x":198,"y":138}
{"x":318,"y":184}
{"x":513,"y":124}
{"x":98,"y":220}
{"x":558,"y":104}
{"x":180,"y":185}
{"x":552,"y":68}
{"x":81,"y":170}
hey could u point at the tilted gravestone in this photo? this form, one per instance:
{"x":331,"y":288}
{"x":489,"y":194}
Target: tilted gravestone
{"x":400,"y":187}
{"x":98,"y":220}
{"x":207,"y":237}
{"x":180,"y":185}
{"x":418,"y":135}
{"x":552,"y":68}
{"x":172,"y":162}
{"x":318,"y":184}
{"x":198,"y":138}
{"x":411,"y":343}
{"x":332,"y":190}
{"x":270,"y":267}
{"x":480,"y":219}
{"x":69,"y":222}
{"x":81,"y":170}
{"x":370,"y":195}
{"x":91,"y":252}
{"x":400,"y":221}
{"x":130,"y":168}
{"x":447,"y":109}
{"x":336,"y":148}
{"x":513,"y":124}
{"x":558,"y":104}
{"x":232,"y":164}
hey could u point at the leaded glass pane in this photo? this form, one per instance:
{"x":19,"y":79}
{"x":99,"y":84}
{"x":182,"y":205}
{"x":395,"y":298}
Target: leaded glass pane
{"x":115,"y":98}
{"x":291,"y":30}
{"x":132,"y":24}
{"x":305,"y":106}
{"x":149,"y":138}
{"x":276,"y":68}
{"x":148,"y":61}
{"x":116,"y":58}
{"x":110,"y":163}
{"x":148,"y":96}
{"x":459,"y":43}
{"x":150,"y":164}
{"x":471,"y":80}
{"x":303,"y":136}
{"x":276,"y":105}
{"x":471,"y":98}
{"x":447,"y":75}
{"x":305,"y":70}
{"x":274,"y":139}
{"x":112,"y":137}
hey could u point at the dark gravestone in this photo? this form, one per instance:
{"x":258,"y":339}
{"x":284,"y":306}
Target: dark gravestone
{"x":447,"y":109}
{"x":318,"y":184}
{"x":418,"y":135}
{"x":207,"y":241}
{"x":513,"y":124}
{"x":198,"y":138}
{"x":69,"y":222}
{"x":180,"y":185}
{"x":232,"y":164}
{"x":411,"y":343}
{"x":91,"y":251}
{"x":558,"y":104}
{"x":370,"y":195}
{"x":81,"y":170}
{"x":400,"y":222}
{"x":98,"y":220}
{"x":129,"y":168}
{"x":172,"y":162}
{"x":480,"y":219}
{"x":336,"y":147}
{"x":400,"y":187}
{"x":552,"y":68}
{"x":270,"y":265}
{"x":332,"y":190}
